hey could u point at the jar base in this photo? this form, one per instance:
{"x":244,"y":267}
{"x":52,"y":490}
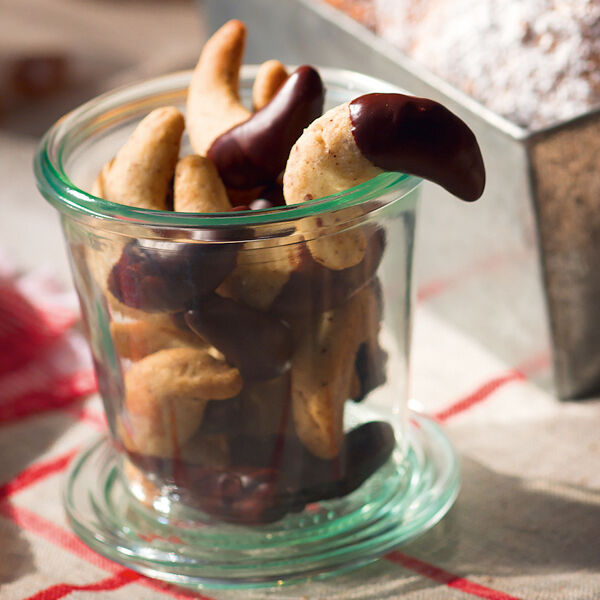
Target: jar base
{"x":404,"y":498}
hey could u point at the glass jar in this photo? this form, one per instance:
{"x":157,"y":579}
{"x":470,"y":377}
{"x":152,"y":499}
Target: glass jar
{"x":256,"y":400}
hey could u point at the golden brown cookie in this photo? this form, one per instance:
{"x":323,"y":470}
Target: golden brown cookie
{"x":165,"y":397}
{"x":137,"y":339}
{"x":141,"y":172}
{"x":261,"y":273}
{"x":198,"y":187}
{"x":323,"y":372}
{"x":325,"y":160}
{"x":213,"y":104}
{"x":270,"y":77}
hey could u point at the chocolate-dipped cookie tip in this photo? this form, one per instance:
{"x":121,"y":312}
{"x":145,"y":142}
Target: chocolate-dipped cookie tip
{"x":254,"y":152}
{"x":419,"y":137}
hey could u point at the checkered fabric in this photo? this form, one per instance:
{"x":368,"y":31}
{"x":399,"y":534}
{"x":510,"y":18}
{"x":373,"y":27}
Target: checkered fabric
{"x":526,"y":523}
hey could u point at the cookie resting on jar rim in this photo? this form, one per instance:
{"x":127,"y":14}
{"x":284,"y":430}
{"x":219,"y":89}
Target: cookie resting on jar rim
{"x":241,"y":241}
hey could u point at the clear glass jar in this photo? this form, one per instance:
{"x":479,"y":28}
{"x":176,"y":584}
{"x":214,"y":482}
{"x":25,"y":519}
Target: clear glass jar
{"x":256,"y":400}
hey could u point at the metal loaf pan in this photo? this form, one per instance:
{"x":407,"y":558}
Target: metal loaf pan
{"x":519,"y":270}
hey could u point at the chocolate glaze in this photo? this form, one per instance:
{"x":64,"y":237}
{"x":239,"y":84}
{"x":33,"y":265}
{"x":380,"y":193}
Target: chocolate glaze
{"x":155,"y":276}
{"x":258,"y":344}
{"x":271,"y":477}
{"x":419,"y":137}
{"x":255,"y":152}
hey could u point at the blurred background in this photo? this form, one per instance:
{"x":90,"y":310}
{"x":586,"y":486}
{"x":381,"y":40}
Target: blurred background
{"x":54,"y":55}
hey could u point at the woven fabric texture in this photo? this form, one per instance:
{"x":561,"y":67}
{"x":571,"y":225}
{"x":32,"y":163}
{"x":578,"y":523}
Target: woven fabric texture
{"x":525,"y":524}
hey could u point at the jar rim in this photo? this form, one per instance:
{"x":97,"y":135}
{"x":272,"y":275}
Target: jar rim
{"x":58,"y":189}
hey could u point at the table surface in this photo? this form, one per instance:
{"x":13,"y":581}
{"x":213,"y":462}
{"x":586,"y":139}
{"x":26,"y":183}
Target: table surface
{"x":527,"y":521}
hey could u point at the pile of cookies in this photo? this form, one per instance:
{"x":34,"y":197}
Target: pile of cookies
{"x":239,"y":359}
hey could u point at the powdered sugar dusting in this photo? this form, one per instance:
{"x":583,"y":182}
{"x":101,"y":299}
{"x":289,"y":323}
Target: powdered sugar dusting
{"x":361,"y":10}
{"x":535,"y":62}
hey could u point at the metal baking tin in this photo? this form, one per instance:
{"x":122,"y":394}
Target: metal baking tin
{"x":519,"y":270}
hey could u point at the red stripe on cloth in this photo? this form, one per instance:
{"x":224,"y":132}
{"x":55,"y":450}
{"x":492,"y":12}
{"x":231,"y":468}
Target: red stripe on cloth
{"x":85,"y":415}
{"x":431,"y":289}
{"x":478,"y":395}
{"x":66,"y":540}
{"x":58,"y":319}
{"x":446,"y":578}
{"x":23,"y":329}
{"x":34,"y":523}
{"x":520,"y":373}
{"x":535,"y":364}
{"x":30,"y":521}
{"x":36,"y":472}
{"x":65,"y":391}
{"x":61,"y":590}
{"x":436,"y":287}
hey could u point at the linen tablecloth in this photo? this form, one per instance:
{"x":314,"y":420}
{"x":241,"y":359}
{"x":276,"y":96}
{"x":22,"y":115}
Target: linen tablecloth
{"x":526,"y":523}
